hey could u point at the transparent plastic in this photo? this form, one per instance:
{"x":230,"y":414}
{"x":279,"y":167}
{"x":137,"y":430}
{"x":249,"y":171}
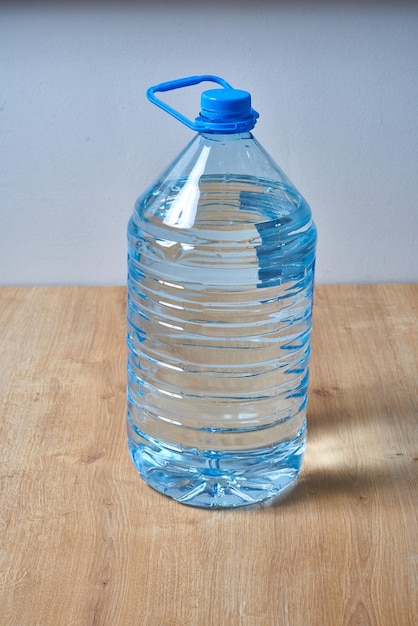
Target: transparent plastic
{"x":221,"y":256}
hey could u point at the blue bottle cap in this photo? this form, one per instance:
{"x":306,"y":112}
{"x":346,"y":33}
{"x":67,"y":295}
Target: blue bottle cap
{"x":227,"y":108}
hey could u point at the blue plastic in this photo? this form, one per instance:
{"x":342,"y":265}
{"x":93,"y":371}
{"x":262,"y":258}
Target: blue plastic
{"x":221,"y":258}
{"x":226,"y":110}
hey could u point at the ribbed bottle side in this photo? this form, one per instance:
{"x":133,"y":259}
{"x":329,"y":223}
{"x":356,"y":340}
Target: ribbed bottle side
{"x":219,"y":318}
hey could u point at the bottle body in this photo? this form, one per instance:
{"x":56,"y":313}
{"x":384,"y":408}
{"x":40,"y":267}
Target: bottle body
{"x":220,"y":281}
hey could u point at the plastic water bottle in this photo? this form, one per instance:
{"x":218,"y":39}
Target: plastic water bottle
{"x":220,"y":282}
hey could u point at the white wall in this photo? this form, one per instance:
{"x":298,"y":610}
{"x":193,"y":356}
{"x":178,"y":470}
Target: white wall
{"x":337,"y":89}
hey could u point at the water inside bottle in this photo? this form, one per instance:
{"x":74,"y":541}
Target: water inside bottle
{"x":219,"y":322}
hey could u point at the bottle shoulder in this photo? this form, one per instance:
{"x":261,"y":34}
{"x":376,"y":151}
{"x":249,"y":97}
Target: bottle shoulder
{"x":222,"y":180}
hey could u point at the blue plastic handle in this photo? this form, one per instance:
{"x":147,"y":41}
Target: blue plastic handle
{"x":177,"y":84}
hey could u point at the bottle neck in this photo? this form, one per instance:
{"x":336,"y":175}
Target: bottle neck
{"x":226,"y":137}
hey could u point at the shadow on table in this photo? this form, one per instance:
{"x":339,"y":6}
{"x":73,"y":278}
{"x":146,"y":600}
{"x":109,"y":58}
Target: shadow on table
{"x":361,"y":442}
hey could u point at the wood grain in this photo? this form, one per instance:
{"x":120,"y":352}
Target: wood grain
{"x":85,"y":542}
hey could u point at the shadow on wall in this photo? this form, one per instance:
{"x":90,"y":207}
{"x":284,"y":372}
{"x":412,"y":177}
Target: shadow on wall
{"x":291,"y":4}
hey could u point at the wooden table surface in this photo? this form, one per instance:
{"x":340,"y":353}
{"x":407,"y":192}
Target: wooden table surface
{"x":84,"y":541}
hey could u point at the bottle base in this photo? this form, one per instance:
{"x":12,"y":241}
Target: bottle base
{"x":219,"y":479}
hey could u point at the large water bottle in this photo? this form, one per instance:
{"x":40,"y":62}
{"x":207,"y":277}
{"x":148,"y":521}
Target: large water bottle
{"x":221,"y":268}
